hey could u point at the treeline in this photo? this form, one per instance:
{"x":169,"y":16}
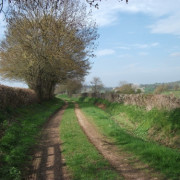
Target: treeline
{"x":158,"y":87}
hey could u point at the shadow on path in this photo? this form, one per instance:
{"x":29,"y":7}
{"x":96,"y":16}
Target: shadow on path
{"x":47,"y":160}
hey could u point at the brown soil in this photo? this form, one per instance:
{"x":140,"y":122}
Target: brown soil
{"x":48,"y":163}
{"x":101,"y":106}
{"x":124,"y":163}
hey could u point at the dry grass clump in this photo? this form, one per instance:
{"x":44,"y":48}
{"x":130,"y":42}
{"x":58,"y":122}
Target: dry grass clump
{"x":15,"y":97}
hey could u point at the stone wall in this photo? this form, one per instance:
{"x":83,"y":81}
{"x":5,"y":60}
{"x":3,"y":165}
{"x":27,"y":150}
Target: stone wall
{"x":148,"y":101}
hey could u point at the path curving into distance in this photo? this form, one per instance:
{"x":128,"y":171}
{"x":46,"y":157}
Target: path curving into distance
{"x":118,"y":159}
{"x":47,"y":160}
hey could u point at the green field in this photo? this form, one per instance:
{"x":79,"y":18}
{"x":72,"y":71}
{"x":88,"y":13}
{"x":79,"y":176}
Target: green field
{"x":175,"y":93}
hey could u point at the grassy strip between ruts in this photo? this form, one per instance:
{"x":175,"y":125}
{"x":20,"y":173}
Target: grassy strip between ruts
{"x":82,"y":158}
{"x":161,"y":158}
{"x":21,"y":135}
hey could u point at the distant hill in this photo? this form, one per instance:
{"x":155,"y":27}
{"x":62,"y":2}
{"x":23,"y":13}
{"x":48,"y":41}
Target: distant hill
{"x":88,"y":89}
{"x":149,"y":88}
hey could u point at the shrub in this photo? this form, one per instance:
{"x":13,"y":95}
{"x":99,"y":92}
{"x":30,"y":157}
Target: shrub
{"x":15,"y":97}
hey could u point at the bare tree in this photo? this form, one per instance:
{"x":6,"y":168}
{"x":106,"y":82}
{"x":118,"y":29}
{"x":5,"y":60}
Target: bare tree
{"x":94,"y":3}
{"x":97,"y":85}
{"x":47,"y":43}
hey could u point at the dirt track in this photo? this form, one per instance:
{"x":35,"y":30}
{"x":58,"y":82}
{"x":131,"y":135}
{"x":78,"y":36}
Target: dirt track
{"x":47,"y":161}
{"x":130,"y":169}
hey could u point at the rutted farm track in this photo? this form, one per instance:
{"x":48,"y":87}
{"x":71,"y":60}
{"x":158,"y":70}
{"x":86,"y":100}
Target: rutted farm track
{"x":47,"y":160}
{"x":49,"y":164}
{"x":118,"y":159}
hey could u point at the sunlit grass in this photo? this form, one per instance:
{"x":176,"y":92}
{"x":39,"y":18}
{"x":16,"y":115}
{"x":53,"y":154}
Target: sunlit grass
{"x":82,"y":159}
{"x":163,"y":159}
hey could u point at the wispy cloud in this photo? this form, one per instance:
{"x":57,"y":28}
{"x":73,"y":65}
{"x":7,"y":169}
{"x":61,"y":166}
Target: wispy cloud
{"x":105,"y":52}
{"x":170,"y":25}
{"x":123,"y":47}
{"x":165,"y":13}
{"x":143,"y":53}
{"x":125,"y":55}
{"x":143,"y":46}
{"x":175,"y":54}
{"x":138,"y":46}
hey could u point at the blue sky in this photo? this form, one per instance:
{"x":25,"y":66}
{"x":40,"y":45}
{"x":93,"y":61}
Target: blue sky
{"x":139,"y":42}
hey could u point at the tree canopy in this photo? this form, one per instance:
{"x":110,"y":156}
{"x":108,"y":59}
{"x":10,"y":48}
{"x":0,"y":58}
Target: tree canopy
{"x":46,"y":44}
{"x":94,"y":3}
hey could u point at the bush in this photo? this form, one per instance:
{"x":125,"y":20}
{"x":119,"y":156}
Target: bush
{"x":15,"y":97}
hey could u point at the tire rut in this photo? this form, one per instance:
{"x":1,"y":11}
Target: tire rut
{"x":48,"y":163}
{"x":129,"y":169}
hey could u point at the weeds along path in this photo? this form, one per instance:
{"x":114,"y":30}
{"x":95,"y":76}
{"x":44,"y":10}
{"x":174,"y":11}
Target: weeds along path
{"x":118,"y":159}
{"x":47,"y":161}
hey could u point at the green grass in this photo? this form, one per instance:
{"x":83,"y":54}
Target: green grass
{"x":163,"y":159}
{"x":20,"y":135}
{"x":82,"y":159}
{"x":175,"y":93}
{"x":157,"y":125}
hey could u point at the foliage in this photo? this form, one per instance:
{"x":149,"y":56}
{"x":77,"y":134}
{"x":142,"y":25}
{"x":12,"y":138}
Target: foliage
{"x":175,"y":93}
{"x":159,"y":89}
{"x":71,"y":86}
{"x":161,"y":158}
{"x":97,"y":85}
{"x":15,"y":97}
{"x":148,"y":101}
{"x":82,"y":158}
{"x":126,"y":89}
{"x":47,"y":43}
{"x":21,"y":135}
{"x":161,"y":126}
{"x":149,"y":88}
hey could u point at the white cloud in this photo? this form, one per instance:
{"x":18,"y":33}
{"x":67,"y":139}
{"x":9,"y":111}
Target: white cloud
{"x":124,"y":48}
{"x":170,"y":25}
{"x":144,"y":46}
{"x":124,"y":56}
{"x":140,"y":46}
{"x":154,"y":44}
{"x":166,"y":13}
{"x":105,"y":52}
{"x":143,"y":53}
{"x":175,"y":54}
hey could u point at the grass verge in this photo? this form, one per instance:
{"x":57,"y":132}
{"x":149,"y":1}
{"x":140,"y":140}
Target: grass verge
{"x":161,"y":126}
{"x":82,"y":159}
{"x":20,"y":135}
{"x":163,"y":159}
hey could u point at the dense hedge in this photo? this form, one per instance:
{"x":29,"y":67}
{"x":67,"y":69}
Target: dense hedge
{"x":15,"y":97}
{"x":143,"y":100}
